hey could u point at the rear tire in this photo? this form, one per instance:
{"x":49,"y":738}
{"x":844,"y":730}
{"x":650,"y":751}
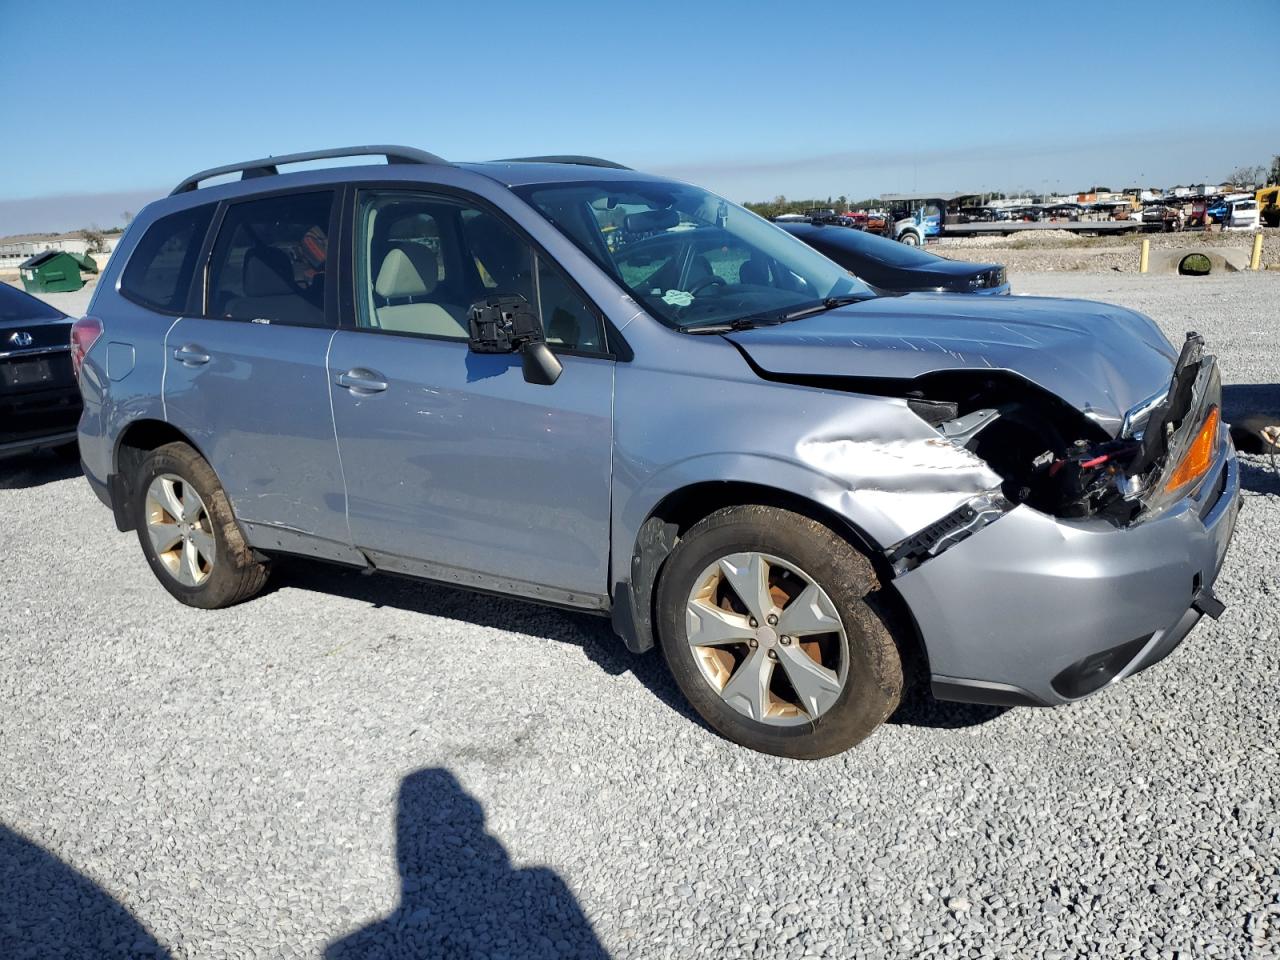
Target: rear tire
{"x":188,"y":533}
{"x":857,"y":682}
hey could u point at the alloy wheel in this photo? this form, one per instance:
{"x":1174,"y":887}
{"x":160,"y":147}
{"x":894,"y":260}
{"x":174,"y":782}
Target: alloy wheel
{"x":180,"y":530}
{"x":767,"y":638}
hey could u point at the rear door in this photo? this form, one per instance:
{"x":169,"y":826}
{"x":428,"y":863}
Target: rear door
{"x":456,"y":467}
{"x":246,"y":379}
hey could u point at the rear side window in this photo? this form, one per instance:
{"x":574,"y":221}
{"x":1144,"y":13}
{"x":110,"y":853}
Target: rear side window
{"x":270,"y":261}
{"x":160,"y":269}
{"x":16,"y":306}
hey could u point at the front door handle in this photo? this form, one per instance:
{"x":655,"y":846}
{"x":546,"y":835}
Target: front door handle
{"x":191,"y":355}
{"x":361,"y":381}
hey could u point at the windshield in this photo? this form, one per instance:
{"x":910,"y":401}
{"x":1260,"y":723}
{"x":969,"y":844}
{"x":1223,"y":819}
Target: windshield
{"x":691,"y":258}
{"x":16,"y":306}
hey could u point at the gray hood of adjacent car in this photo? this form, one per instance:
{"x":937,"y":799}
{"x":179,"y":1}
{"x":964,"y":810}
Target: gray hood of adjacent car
{"x":1101,"y":359}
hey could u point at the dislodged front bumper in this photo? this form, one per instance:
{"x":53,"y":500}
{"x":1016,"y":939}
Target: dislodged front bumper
{"x":1041,"y":611}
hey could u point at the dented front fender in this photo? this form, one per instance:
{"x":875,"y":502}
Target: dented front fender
{"x":868,"y":459}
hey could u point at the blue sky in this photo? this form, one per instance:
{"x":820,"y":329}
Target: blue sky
{"x":750,"y":99}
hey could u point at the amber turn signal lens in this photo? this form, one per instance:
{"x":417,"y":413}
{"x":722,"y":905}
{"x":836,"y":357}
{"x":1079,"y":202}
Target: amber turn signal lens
{"x":1199,"y":455}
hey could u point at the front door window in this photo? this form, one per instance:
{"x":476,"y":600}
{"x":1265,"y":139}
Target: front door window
{"x":425,"y":259}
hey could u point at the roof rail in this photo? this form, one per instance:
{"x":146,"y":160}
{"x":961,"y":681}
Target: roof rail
{"x":567,"y":158}
{"x":268,"y":166}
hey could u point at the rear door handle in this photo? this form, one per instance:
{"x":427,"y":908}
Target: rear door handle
{"x":191,"y":355}
{"x":361,"y":381}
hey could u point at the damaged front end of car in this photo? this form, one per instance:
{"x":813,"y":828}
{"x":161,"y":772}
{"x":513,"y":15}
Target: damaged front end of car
{"x":1099,"y":553}
{"x":1057,"y":459}
{"x":1061,"y":500}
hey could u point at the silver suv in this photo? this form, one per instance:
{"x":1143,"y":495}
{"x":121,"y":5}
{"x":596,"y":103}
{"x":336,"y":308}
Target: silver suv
{"x":563,"y":380}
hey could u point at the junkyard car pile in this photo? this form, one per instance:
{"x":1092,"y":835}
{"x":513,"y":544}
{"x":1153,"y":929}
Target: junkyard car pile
{"x":576,"y":383}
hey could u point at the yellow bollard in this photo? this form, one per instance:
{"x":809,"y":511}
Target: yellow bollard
{"x":1142,"y":257}
{"x":1255,"y":261}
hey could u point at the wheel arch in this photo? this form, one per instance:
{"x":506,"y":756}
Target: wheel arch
{"x":678,"y":510}
{"x":689,"y":504}
{"x":135,"y":441}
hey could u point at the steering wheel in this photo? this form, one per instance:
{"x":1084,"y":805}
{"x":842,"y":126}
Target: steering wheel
{"x":706,"y":282}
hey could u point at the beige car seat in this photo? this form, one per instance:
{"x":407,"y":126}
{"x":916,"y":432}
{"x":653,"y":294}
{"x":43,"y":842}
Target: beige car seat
{"x":406,"y":282}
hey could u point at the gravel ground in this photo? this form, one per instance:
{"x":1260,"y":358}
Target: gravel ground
{"x":1060,"y":250}
{"x":373,"y":767}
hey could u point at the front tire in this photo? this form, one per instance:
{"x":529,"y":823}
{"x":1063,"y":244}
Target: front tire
{"x":768,"y":621}
{"x":910,"y":238}
{"x":189,"y":534}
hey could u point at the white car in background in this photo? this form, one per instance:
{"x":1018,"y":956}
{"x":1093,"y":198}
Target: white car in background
{"x":1242,"y":215}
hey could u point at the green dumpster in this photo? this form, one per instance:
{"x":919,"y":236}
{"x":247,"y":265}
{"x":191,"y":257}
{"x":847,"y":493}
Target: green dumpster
{"x":55,"y":271}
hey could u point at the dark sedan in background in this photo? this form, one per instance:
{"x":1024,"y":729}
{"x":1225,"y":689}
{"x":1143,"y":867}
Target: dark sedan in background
{"x":896,"y":267}
{"x":39,"y":399}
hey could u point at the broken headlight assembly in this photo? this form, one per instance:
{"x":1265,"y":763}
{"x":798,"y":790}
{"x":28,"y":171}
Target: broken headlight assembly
{"x":1189,"y":465}
{"x":1181,"y":438}
{"x":1058,"y":461}
{"x":1054,"y":459}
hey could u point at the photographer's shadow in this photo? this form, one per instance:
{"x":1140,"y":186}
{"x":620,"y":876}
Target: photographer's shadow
{"x":50,"y":909}
{"x":460,"y":896}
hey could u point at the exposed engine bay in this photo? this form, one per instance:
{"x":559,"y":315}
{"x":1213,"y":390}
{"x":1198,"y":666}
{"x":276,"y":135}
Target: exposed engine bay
{"x":1104,"y":453}
{"x":1052,"y":456}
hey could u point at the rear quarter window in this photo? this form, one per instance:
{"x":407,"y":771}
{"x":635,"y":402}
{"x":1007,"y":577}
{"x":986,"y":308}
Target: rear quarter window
{"x":16,"y":306}
{"x":159,"y":272}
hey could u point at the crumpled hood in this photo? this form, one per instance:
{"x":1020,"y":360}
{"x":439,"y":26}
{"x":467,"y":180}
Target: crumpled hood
{"x":1099,"y":358}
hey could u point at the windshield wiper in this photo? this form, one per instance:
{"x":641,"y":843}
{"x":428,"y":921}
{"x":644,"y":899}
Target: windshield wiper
{"x":828,"y":304}
{"x":742,"y":323}
{"x":772,"y":320}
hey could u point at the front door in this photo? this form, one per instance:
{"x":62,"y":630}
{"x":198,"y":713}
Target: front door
{"x":247,"y":379}
{"x":456,"y":467}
